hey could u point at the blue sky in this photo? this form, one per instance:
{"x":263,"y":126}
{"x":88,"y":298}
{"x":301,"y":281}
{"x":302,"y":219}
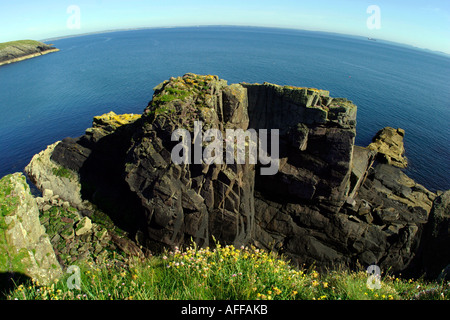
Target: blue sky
{"x":425,"y":24}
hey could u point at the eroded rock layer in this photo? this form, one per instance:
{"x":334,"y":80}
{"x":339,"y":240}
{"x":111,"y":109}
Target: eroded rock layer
{"x":329,"y":203}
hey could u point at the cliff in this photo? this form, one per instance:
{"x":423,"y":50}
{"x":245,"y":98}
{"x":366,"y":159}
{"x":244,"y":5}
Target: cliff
{"x":329,"y":203}
{"x":25,"y":248}
{"x":15,"y":51}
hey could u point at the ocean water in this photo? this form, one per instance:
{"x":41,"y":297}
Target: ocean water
{"x":48,"y":98}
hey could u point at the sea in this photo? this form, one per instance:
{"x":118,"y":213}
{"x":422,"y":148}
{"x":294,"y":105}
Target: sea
{"x":48,"y":98}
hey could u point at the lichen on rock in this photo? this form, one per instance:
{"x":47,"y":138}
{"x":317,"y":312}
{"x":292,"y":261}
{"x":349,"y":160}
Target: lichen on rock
{"x":388,"y":143}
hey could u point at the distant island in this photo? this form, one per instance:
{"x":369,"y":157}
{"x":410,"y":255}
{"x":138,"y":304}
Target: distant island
{"x":14,"y":51}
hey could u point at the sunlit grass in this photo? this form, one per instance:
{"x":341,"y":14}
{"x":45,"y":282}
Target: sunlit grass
{"x":224,"y":273}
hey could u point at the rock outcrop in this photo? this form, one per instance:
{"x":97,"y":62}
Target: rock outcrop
{"x":25,"y":247}
{"x":388,"y":143}
{"x":436,"y":241}
{"x":329,"y":203}
{"x":76,"y":238}
{"x":50,"y":177}
{"x":15,"y":51}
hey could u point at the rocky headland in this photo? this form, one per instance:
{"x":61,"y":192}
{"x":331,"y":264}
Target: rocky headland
{"x":15,"y":51}
{"x":331,"y":203}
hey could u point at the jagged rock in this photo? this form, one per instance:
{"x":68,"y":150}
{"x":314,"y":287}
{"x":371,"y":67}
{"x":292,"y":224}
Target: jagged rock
{"x":24,"y":246}
{"x":435,"y":254}
{"x":47,"y":194}
{"x":67,"y":233}
{"x":388,"y":143}
{"x":53,"y":178}
{"x":108,"y":123}
{"x":83,"y":226}
{"x":77,"y":239}
{"x":129,"y":247}
{"x":327,"y":205}
{"x":400,"y":207}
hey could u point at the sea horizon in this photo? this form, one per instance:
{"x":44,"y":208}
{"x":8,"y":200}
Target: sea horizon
{"x":397,"y":86}
{"x":404,"y":45}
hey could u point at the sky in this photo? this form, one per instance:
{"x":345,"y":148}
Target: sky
{"x":420,"y":23}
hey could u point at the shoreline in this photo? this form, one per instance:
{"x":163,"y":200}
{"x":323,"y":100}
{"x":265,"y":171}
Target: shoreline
{"x":28,"y":56}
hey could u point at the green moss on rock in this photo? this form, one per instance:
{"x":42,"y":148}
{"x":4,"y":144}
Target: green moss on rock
{"x":62,"y":172}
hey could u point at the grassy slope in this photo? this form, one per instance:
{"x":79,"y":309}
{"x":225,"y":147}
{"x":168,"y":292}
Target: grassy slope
{"x":225,"y":273}
{"x":4,"y":45}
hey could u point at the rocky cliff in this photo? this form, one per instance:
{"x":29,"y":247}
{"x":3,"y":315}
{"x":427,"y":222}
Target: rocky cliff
{"x":25,"y":247}
{"x":15,"y":51}
{"x":40,"y":237}
{"x":330,"y":202}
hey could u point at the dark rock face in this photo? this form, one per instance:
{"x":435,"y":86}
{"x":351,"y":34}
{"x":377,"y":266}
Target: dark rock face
{"x":436,"y":241}
{"x":195,"y":201}
{"x":329,"y":203}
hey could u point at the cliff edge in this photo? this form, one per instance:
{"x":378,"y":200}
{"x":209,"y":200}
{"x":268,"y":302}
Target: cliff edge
{"x":330,"y":203}
{"x":15,"y":51}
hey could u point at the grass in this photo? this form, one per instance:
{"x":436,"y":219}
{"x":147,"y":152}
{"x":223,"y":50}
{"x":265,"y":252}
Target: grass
{"x":4,"y":45}
{"x":62,"y":172}
{"x":7,"y":198}
{"x":171,"y":94}
{"x":225,"y":273}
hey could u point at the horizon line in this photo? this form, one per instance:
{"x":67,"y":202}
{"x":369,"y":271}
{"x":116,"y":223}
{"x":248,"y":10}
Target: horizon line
{"x":438,"y":52}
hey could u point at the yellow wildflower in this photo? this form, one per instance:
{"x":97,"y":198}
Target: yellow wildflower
{"x":276,"y":290}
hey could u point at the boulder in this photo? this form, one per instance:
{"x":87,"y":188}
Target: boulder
{"x":388,"y":143}
{"x":83,"y":226}
{"x":53,"y":178}
{"x":109,"y":122}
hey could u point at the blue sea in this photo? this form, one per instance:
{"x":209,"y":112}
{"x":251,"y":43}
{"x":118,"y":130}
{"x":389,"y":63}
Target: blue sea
{"x":46,"y":99}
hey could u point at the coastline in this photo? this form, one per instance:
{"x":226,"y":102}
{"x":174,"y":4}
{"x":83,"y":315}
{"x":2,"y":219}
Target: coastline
{"x":28,"y":56}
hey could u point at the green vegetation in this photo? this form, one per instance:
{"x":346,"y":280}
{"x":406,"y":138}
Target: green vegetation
{"x":225,"y":273}
{"x":196,"y":87}
{"x":62,"y":172}
{"x":4,"y":45}
{"x":8,"y":202}
{"x":170,"y":94}
{"x":7,"y":199}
